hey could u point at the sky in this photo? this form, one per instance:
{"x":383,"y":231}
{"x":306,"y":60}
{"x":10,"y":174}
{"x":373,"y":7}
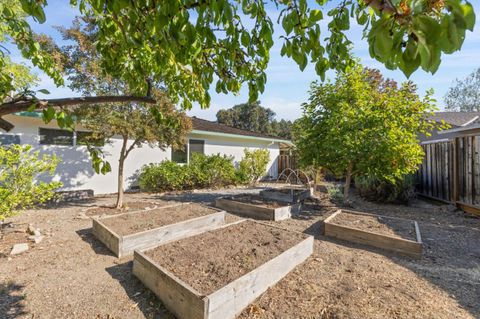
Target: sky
{"x":287,"y":87}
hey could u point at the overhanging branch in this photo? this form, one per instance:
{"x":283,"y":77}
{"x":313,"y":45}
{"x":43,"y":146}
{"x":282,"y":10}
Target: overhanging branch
{"x":13,"y":107}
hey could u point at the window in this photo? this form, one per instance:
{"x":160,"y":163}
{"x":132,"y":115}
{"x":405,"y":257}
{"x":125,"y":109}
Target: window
{"x":50,"y":136}
{"x":193,"y":146}
{"x":179,"y":155}
{"x":8,"y":139}
{"x":196,"y":146}
{"x":84,"y":137}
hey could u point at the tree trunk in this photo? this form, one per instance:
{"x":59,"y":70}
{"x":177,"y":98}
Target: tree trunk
{"x":121,"y":161}
{"x":348,"y":181}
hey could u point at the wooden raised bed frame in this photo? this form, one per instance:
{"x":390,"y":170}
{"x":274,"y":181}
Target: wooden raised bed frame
{"x":256,"y":211}
{"x":185,"y":302}
{"x":403,"y":246}
{"x":290,"y":197}
{"x":125,"y":245}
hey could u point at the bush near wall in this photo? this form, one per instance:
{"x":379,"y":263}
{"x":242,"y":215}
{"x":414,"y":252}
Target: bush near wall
{"x":20,"y":185}
{"x":377,"y":190}
{"x":203,"y":171}
{"x":253,"y":165}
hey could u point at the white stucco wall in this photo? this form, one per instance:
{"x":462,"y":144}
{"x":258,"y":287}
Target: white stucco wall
{"x":75,"y":170}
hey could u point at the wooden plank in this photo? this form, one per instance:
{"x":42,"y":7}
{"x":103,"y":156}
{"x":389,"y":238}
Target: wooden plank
{"x":125,"y":245}
{"x":461,"y":171}
{"x":294,"y":194}
{"x":424,"y":172}
{"x":476,"y":171}
{"x":446,"y":171}
{"x":187,"y":303}
{"x":429,"y":171}
{"x":471,"y":209}
{"x":434,"y":171}
{"x":107,"y":236}
{"x":154,"y":237}
{"x":469,"y":171}
{"x":403,"y":246}
{"x":229,"y":301}
{"x":177,"y":296}
{"x":440,"y":166}
{"x":455,"y":178}
{"x":256,"y":211}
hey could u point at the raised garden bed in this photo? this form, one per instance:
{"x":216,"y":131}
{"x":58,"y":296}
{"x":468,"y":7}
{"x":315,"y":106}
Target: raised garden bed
{"x":124,"y":233}
{"x":287,"y":194}
{"x":128,"y":208}
{"x":389,"y":233}
{"x":257,"y":207}
{"x":217,"y":274}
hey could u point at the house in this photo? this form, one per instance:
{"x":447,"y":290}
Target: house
{"x":455,"y":120}
{"x":75,"y":170}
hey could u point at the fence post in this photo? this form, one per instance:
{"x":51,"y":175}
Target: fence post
{"x":455,"y":170}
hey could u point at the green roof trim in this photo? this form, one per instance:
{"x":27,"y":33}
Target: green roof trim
{"x":266,"y":139}
{"x":29,"y":114}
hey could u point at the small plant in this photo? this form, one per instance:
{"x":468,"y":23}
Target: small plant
{"x":21,"y":170}
{"x":253,"y":165}
{"x":336,"y":193}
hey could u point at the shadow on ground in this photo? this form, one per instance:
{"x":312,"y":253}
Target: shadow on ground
{"x":144,"y":299}
{"x":98,"y":247}
{"x":451,"y":253}
{"x":11,"y":300}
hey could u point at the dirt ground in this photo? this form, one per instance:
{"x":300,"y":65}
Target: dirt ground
{"x":209,"y":261}
{"x":72,"y":275}
{"x":400,"y":228}
{"x":127,"y":224}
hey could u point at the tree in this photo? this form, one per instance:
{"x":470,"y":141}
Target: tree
{"x":20,"y":187}
{"x":464,"y":95}
{"x":137,"y":124}
{"x":190,"y":45}
{"x":362,"y":124}
{"x":158,"y":125}
{"x":256,"y":118}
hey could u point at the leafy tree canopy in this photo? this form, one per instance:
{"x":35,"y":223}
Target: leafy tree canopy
{"x":159,"y":125}
{"x":256,"y":118}
{"x":464,"y":95}
{"x":190,"y":45}
{"x":362,"y":124}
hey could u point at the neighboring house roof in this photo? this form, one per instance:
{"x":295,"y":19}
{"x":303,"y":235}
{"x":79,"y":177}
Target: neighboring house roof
{"x":456,"y":119}
{"x":210,"y":126}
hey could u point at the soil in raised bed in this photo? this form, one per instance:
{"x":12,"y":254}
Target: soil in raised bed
{"x":399,"y":228}
{"x":258,"y":200}
{"x":145,"y":220}
{"x":128,"y":207}
{"x":210,"y":261}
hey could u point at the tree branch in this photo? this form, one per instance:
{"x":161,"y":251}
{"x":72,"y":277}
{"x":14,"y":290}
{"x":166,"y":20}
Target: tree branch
{"x":9,"y":107}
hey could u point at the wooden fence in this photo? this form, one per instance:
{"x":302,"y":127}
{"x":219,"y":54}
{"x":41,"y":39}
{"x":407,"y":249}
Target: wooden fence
{"x":451,"y":172}
{"x":286,"y":161}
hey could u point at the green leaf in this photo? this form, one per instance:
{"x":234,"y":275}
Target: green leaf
{"x":44,"y":91}
{"x":469,"y":15}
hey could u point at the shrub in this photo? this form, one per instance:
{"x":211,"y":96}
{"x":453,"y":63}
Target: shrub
{"x":211,"y":171}
{"x":336,"y":193}
{"x":164,"y":176}
{"x":378,"y":190}
{"x":202,"y":171}
{"x":20,"y":170}
{"x":253,"y":165}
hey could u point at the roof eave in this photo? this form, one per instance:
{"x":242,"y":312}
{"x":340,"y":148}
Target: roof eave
{"x":249,"y":137}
